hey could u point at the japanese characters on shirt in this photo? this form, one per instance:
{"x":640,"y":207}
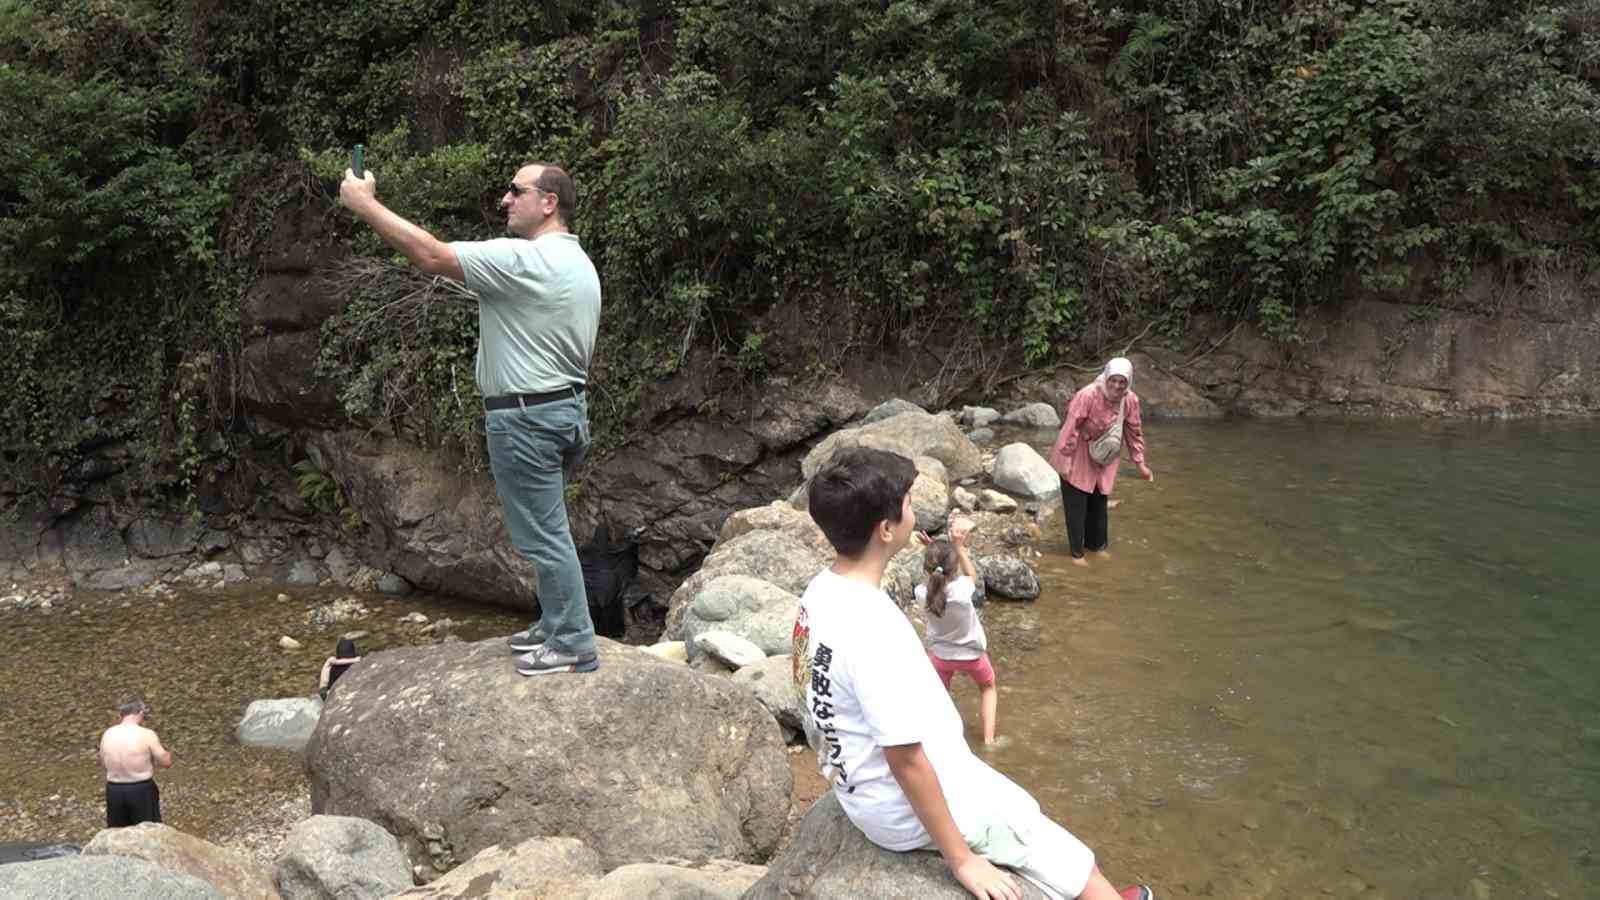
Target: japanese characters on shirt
{"x":813,"y":683}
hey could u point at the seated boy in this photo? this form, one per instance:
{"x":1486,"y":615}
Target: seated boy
{"x":888,"y":737}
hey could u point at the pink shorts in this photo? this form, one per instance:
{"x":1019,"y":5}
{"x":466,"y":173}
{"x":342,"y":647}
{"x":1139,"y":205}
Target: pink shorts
{"x":979,"y":669}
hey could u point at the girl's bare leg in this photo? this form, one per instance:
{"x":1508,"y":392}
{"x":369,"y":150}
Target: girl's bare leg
{"x":988,"y":700}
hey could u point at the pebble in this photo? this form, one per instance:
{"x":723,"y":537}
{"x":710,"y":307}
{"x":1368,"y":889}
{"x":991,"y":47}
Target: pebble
{"x":283,"y":598}
{"x":414,"y":618}
{"x":288,"y":643}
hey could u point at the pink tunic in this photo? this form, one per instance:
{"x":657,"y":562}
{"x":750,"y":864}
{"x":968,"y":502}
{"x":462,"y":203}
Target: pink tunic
{"x":1088,"y":416}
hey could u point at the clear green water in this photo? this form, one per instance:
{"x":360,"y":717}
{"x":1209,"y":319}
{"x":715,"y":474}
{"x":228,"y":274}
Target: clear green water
{"x":1327,"y":659}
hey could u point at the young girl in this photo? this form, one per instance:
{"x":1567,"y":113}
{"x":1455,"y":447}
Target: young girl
{"x":956,"y":642}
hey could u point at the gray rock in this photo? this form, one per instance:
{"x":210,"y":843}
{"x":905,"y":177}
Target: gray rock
{"x":829,"y":857}
{"x":394,"y":585}
{"x":433,"y":742}
{"x":538,"y":867}
{"x":981,"y":435}
{"x":930,"y":503}
{"x":232,"y":873}
{"x":728,"y":647}
{"x":286,"y":723}
{"x":233,"y":573}
{"x":909,"y":434}
{"x":756,"y":610}
{"x":1164,"y":396}
{"x":994,"y":501}
{"x":890,"y":408}
{"x":1009,"y":577}
{"x":340,"y":566}
{"x":771,"y":556}
{"x":128,"y":577}
{"x":779,"y":516}
{"x":95,"y":877}
{"x":903,"y":574}
{"x":155,"y":538}
{"x":1034,"y":415}
{"x":717,"y":879}
{"x":978,"y":416}
{"x":213,"y":541}
{"x":772,"y":681}
{"x":1020,"y":469}
{"x":304,"y":572}
{"x":330,"y":857}
{"x":964,"y":499}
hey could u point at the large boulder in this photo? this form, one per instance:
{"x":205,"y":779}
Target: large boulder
{"x":757,"y":610}
{"x":233,"y":874}
{"x":889,"y":409}
{"x":538,"y":867}
{"x":829,"y":857}
{"x":285,"y":723}
{"x":336,"y":857}
{"x":775,"y":557}
{"x":930,"y":495}
{"x":1165,"y":396}
{"x":1008,"y":577}
{"x":97,"y":877}
{"x":340,"y":858}
{"x":1033,"y":415}
{"x":781,"y":516}
{"x":439,"y":529}
{"x":772,"y":683}
{"x":644,"y":759}
{"x":718,"y":879}
{"x":910,"y":434}
{"x":1020,"y":469}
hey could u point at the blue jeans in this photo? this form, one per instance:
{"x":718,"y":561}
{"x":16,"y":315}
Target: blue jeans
{"x":532,"y":452}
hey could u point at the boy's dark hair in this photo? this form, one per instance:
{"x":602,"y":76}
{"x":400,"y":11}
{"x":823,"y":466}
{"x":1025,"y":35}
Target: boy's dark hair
{"x":858,"y":488}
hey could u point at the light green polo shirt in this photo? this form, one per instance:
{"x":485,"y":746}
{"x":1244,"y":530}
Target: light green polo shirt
{"x":538,"y":312}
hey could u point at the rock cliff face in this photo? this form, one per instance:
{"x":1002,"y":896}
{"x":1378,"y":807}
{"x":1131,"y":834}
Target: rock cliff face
{"x":703,"y":445}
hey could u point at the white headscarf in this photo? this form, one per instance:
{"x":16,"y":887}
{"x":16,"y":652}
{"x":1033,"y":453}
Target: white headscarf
{"x":1121,"y":365}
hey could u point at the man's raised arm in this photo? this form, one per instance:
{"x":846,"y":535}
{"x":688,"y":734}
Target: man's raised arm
{"x":426,"y":252}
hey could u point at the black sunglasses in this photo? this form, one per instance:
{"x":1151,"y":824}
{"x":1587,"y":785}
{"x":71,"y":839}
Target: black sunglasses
{"x":518,"y":190}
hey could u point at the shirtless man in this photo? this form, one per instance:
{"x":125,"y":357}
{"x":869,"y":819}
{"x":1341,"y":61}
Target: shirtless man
{"x":131,"y":753}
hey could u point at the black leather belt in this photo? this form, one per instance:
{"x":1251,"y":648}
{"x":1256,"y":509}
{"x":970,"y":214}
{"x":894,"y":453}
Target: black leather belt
{"x":514,"y":401}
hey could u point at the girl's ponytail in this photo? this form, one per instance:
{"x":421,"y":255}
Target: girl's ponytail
{"x":939,"y":563}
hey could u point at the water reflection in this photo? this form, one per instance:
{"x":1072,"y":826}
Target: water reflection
{"x":1342,"y":659}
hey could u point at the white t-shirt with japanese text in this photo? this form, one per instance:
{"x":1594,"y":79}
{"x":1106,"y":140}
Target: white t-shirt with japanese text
{"x":867,"y":684}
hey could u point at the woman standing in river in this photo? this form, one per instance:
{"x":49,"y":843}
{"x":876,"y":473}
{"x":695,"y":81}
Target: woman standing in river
{"x":1100,"y":420}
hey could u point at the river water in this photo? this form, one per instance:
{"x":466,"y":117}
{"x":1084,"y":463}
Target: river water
{"x":1348,"y":659}
{"x":1327,"y":660}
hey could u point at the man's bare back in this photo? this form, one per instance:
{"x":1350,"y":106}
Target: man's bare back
{"x":131,"y":752}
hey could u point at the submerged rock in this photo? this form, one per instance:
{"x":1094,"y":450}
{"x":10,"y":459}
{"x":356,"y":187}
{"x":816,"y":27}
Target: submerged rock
{"x":285,"y":723}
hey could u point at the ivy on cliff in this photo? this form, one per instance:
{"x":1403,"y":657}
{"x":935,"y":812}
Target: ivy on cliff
{"x":1042,"y":175}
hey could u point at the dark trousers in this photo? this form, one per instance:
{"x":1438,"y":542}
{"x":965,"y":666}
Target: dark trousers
{"x":1087,"y":526}
{"x":130,"y":804}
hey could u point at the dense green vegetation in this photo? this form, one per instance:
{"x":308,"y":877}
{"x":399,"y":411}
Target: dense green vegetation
{"x":1035,"y":173}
